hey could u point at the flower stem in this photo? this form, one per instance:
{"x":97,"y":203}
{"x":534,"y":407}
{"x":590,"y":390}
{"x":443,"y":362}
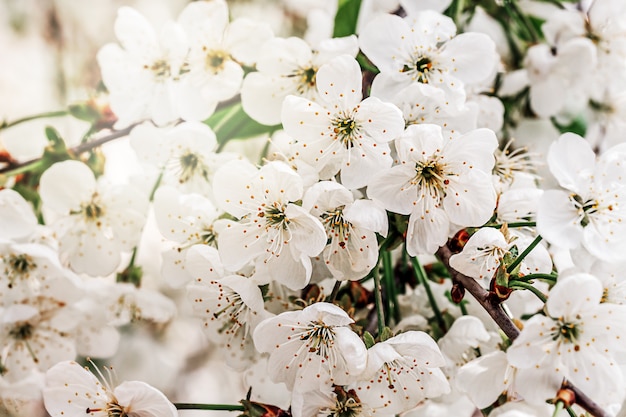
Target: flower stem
{"x":378,"y":299}
{"x":526,"y":286}
{"x":521,"y":257}
{"x":390,"y":285}
{"x":60,"y":113}
{"x":544,"y":277}
{"x":220,"y":407}
{"x":420,"y":273}
{"x":571,"y":412}
{"x":334,"y":292}
{"x":514,"y":224}
{"x":558,"y":407}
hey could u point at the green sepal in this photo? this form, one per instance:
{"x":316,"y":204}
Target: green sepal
{"x":386,"y":334}
{"x":368,"y":339}
{"x":132,"y":275}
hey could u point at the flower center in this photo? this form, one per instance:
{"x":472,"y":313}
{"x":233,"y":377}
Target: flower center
{"x":160,"y":69}
{"x":92,"y":210}
{"x":191,"y":164}
{"x":346,"y":130}
{"x":336,"y":226}
{"x":430,"y":178}
{"x":567,"y":331}
{"x":19,"y":265}
{"x":22,"y":331}
{"x":215,"y":60}
{"x":347,"y":404}
{"x":419,"y":70}
{"x":320,"y":338}
{"x":306,"y":79}
{"x":275,"y":215}
{"x":585,"y":208}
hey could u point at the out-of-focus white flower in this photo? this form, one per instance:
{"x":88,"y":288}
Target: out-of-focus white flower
{"x":218,"y":50}
{"x":341,"y":132}
{"x":142,"y":75}
{"x":94,"y":221}
{"x":73,"y":390}
{"x":312,"y":348}
{"x":439,"y":183}
{"x":17,"y":219}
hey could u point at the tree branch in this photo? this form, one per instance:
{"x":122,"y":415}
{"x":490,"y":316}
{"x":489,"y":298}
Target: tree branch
{"x":492,"y":305}
{"x":76,"y":150}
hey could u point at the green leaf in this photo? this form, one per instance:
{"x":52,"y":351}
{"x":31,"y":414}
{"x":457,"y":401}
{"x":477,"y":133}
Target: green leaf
{"x":233,"y":123}
{"x":83,"y":111}
{"x":346,"y":18}
{"x":368,"y":339}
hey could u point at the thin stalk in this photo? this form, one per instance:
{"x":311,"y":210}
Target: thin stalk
{"x":529,"y":287}
{"x":420,"y":273}
{"x":219,"y":407}
{"x":558,"y":407}
{"x":544,"y":277}
{"x":378,"y":299}
{"x":60,"y":113}
{"x":571,"y":412}
{"x":521,"y":257}
{"x":390,"y":285}
{"x":335,"y":291}
{"x":514,"y":224}
{"x":156,"y":185}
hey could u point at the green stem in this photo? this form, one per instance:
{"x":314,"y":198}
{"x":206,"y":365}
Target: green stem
{"x":156,"y":185}
{"x":219,"y":407}
{"x":390,"y":285}
{"x":515,"y":284}
{"x":378,"y":299}
{"x":544,"y":277}
{"x":24,"y":168}
{"x":571,"y":412}
{"x":60,"y":113}
{"x":420,"y":273}
{"x":514,"y":224}
{"x":521,"y":257}
{"x":558,"y":407}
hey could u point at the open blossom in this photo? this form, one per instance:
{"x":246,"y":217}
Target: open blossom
{"x":423,"y":48}
{"x":341,"y":132}
{"x":579,"y":338}
{"x":230,"y":309}
{"x":440,"y":183}
{"x":351,"y":226}
{"x":274,"y":232}
{"x":401,"y":372}
{"x":591,"y":211}
{"x":142,"y":75}
{"x":217,"y":51}
{"x":71,"y":390}
{"x":94,"y":221}
{"x":288,"y":67}
{"x":311,"y":348}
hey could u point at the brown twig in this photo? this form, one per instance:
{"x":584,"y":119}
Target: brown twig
{"x":492,"y":305}
{"x":76,"y":150}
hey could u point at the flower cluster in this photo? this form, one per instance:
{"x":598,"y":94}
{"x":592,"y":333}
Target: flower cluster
{"x":408,"y":153}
